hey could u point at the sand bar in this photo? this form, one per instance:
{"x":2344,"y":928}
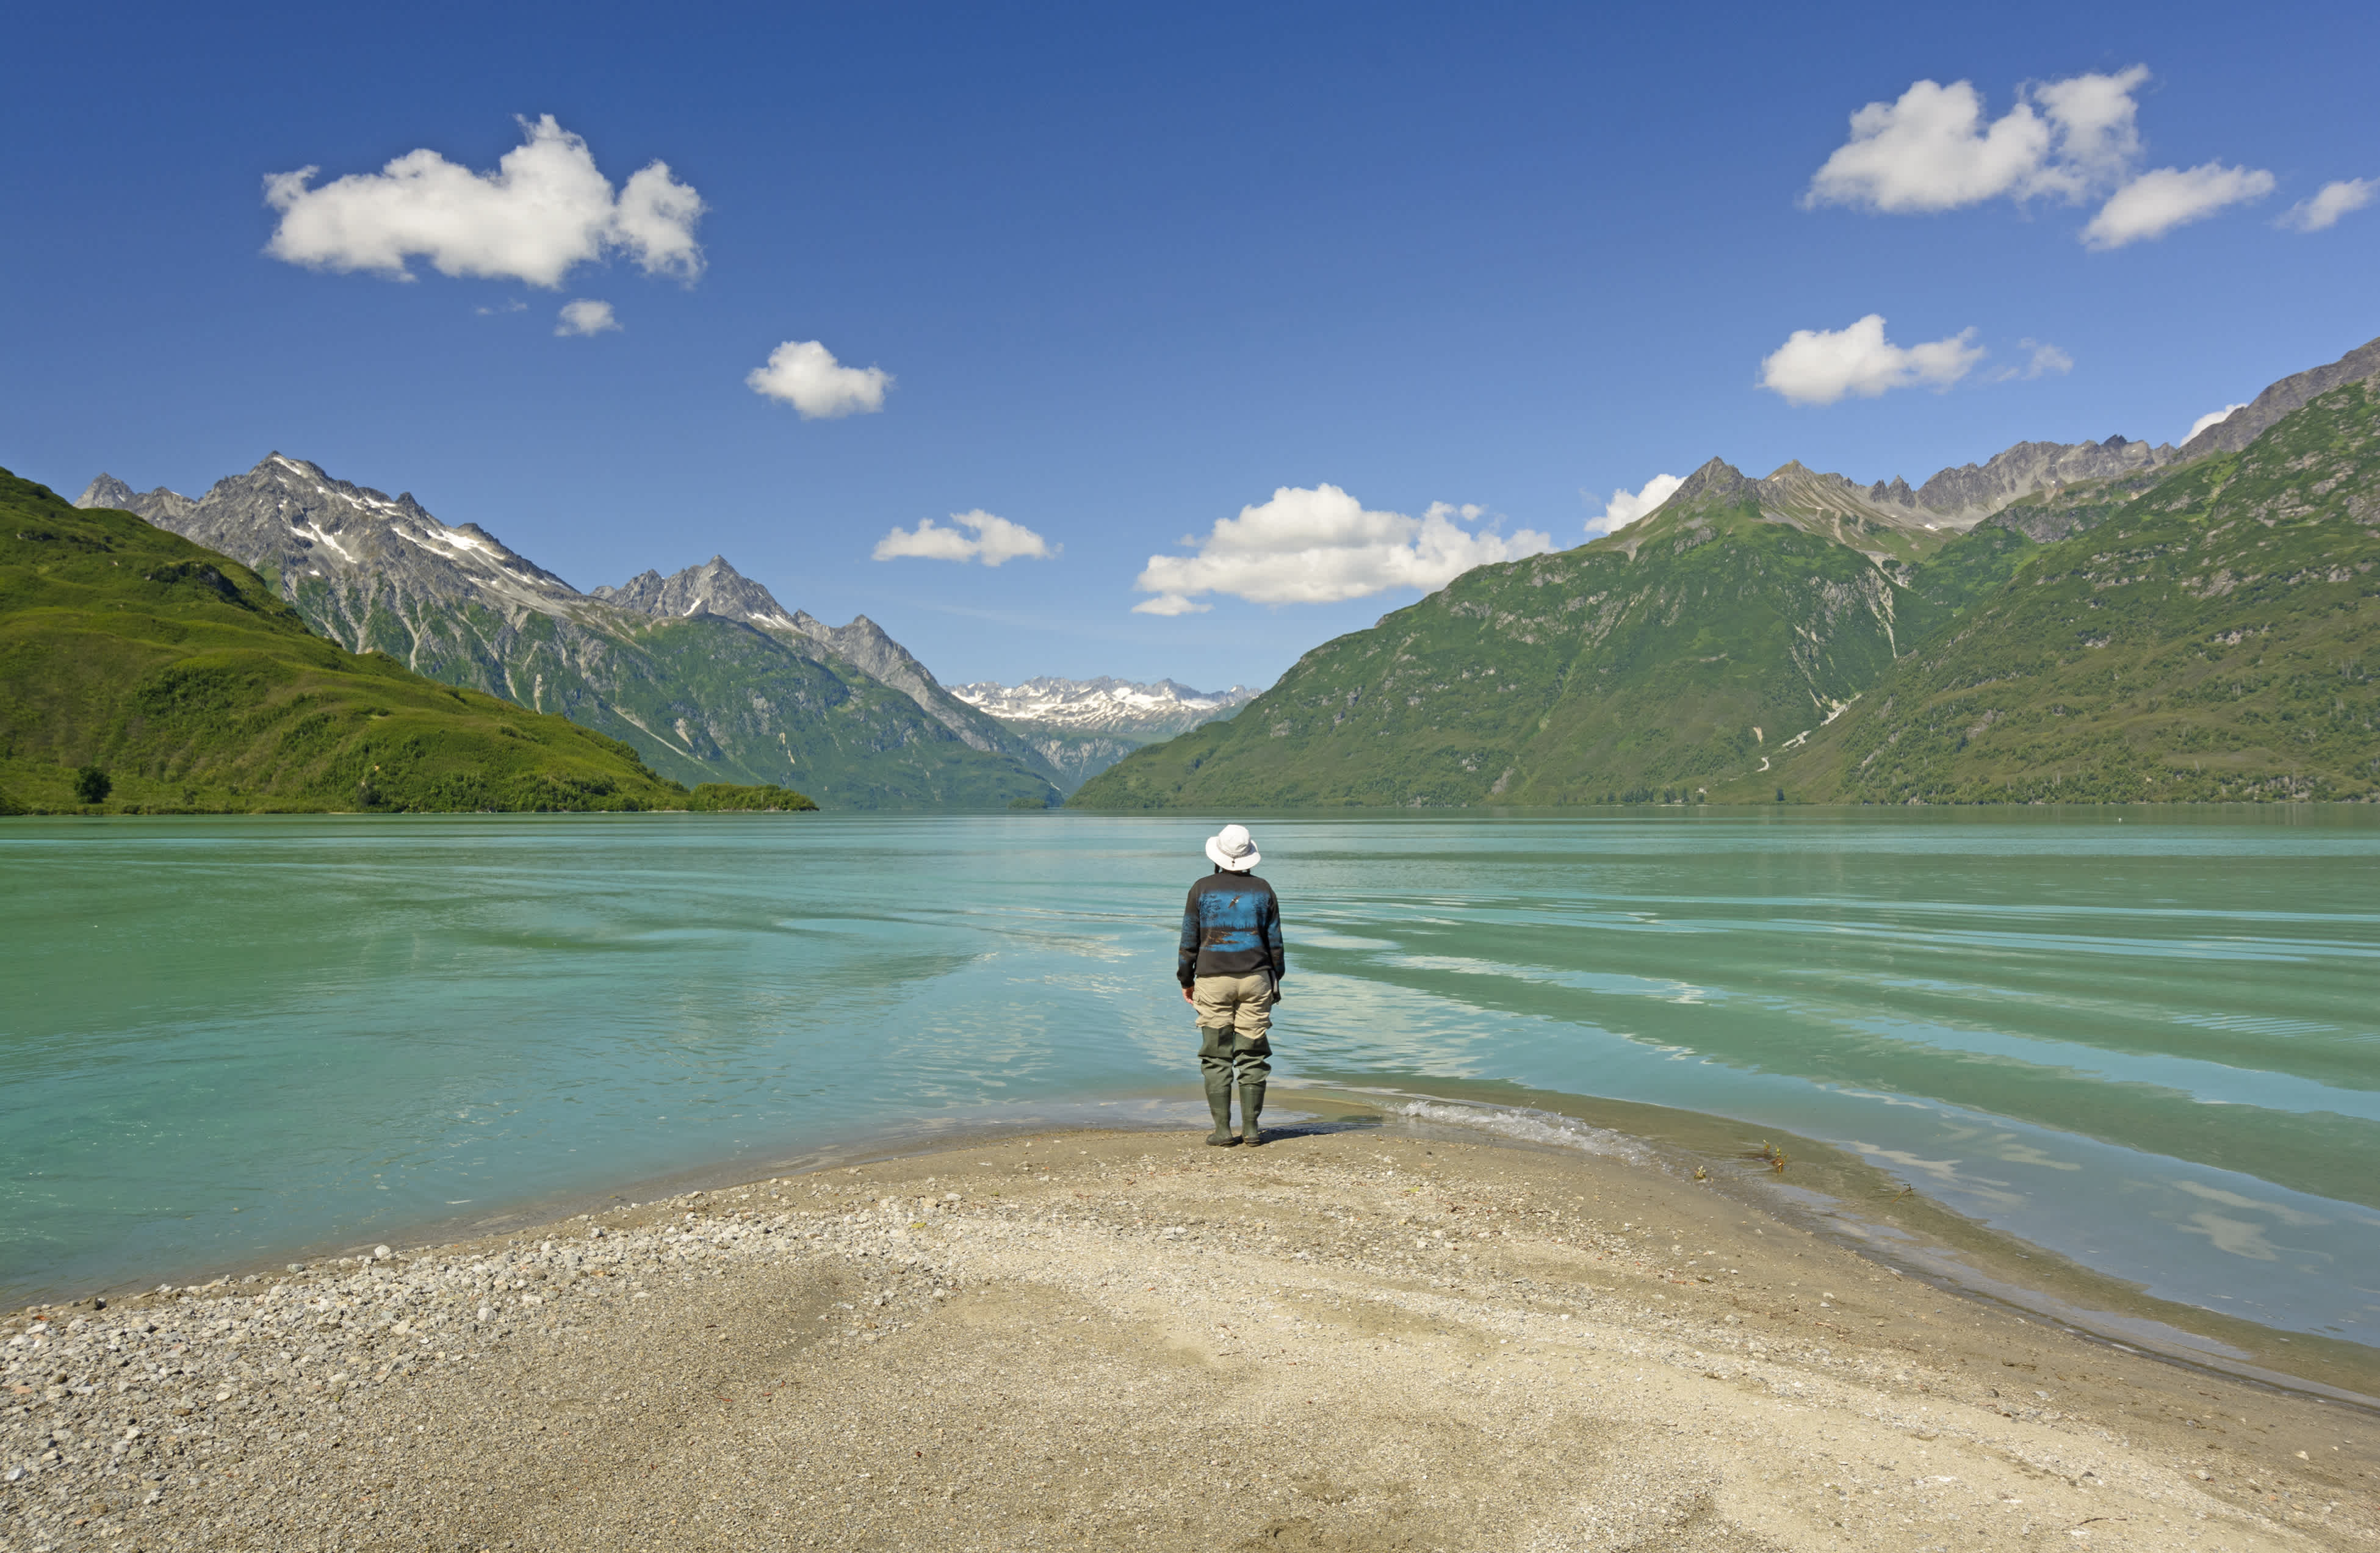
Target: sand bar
{"x":1352,"y":1339}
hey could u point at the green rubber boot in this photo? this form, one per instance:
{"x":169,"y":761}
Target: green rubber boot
{"x":1219,"y":1103}
{"x":1251,"y":1105}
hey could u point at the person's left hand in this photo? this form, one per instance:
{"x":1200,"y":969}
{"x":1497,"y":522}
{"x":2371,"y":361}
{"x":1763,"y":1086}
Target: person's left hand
{"x":1186,"y":997}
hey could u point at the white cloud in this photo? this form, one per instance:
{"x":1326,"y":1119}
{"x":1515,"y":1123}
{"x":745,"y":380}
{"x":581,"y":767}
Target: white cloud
{"x":655,"y":219}
{"x":510,"y":305}
{"x":2044,"y":361}
{"x":2072,"y":139}
{"x":1818,"y":367}
{"x":2212,"y":418}
{"x":805,"y":375}
{"x":1932,"y":150}
{"x":1170,"y":603}
{"x":584,"y":317}
{"x":1626,"y":507}
{"x":2098,"y":133}
{"x":2331,"y":201}
{"x":994,"y":540}
{"x":543,"y":212}
{"x":2155,"y":203}
{"x":1322,"y":546}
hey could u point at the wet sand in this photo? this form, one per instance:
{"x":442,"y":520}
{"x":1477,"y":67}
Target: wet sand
{"x":1344,"y":1340}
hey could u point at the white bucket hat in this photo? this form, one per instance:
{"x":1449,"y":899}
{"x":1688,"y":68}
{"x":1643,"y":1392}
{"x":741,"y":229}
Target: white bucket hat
{"x":1231,"y":847}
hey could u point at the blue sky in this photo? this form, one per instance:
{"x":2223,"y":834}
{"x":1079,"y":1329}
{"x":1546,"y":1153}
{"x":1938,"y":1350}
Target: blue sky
{"x":1132,"y":270}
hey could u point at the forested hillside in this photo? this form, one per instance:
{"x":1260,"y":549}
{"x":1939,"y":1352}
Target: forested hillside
{"x":2208,"y":635}
{"x":1645,"y":665}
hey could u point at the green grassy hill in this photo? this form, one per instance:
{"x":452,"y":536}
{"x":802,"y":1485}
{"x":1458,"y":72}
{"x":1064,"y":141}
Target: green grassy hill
{"x":1649,"y":663}
{"x":2211,"y":635}
{"x":182,"y":677}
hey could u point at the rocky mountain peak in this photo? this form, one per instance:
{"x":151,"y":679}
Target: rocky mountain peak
{"x":1954,"y":499}
{"x":865,"y":643}
{"x":109,"y":492}
{"x":1717,"y":481}
{"x":2242,"y":426}
{"x":713,"y":588}
{"x":1795,"y":477}
{"x":1963,"y":497}
{"x":293,"y":518}
{"x":1959,"y":497}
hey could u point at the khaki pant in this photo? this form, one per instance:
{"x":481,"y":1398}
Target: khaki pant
{"x":1234,"y":1020}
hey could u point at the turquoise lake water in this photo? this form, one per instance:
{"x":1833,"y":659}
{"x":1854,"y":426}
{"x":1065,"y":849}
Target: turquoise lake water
{"x":2149,"y":1042}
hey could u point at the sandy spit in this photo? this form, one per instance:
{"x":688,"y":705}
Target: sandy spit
{"x":1344,"y":1341}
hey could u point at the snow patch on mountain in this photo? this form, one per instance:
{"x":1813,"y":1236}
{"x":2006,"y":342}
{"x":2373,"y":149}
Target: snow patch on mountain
{"x":370,"y":549}
{"x":1105,"y":705}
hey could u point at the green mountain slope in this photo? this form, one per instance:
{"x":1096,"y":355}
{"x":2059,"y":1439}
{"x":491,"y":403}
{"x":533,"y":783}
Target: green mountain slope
{"x":702,"y":698}
{"x":2209,"y":635}
{"x":1652,"y":662}
{"x":184,"y":677}
{"x":704,"y":673}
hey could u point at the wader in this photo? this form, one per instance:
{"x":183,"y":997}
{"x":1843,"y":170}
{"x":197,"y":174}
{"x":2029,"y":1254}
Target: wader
{"x":1234,"y":1023}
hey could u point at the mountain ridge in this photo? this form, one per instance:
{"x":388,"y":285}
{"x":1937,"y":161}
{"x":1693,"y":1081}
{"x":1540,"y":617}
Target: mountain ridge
{"x":2242,"y":426}
{"x":717,"y":589}
{"x":1958,"y":497}
{"x":1601,"y":673}
{"x":181,"y":682}
{"x":1105,"y":704}
{"x":1889,"y":522}
{"x":1082,"y":727}
{"x":2200,"y":638}
{"x":738,"y":690}
{"x":1684,"y":654}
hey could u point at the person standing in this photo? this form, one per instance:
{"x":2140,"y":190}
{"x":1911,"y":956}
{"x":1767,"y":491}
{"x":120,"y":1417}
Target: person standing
{"x":1230,"y":964}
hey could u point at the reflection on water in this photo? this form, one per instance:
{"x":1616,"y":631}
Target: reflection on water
{"x":2150,"y":1045}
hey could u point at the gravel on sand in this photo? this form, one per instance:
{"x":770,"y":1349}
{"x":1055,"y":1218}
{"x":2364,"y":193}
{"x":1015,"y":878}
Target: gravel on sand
{"x":1342,"y":1341}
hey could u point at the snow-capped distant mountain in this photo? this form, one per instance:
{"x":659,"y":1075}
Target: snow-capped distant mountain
{"x":1105,"y":705}
{"x":1080,"y":727}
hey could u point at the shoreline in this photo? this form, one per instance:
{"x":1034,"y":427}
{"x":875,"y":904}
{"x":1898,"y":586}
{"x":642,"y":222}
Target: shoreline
{"x":1962,"y":1257}
{"x":1040,"y":1339}
{"x":526,"y":1214}
{"x":2032,"y":807}
{"x":1880,"y":1214}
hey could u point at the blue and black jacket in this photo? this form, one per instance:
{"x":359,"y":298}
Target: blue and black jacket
{"x":1231,"y":925}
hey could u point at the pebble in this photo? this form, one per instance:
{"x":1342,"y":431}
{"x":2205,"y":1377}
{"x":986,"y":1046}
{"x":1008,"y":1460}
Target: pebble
{"x":123,"y":1426}
{"x":139,"y":1407}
